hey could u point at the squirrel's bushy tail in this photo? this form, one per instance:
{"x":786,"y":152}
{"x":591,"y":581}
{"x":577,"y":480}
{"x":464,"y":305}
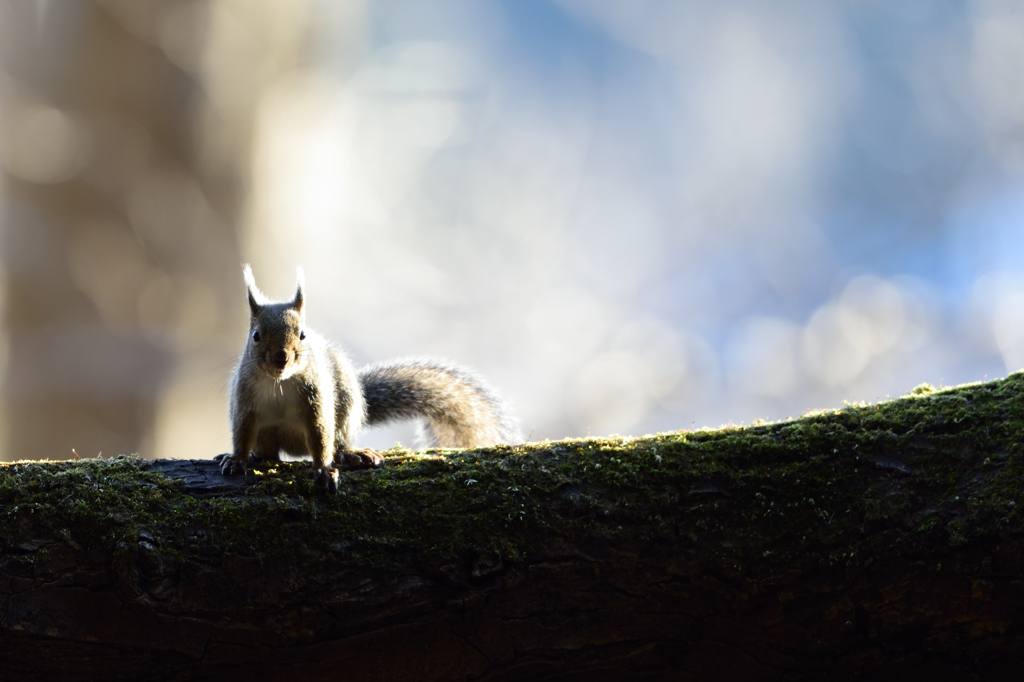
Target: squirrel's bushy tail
{"x":459,"y":409}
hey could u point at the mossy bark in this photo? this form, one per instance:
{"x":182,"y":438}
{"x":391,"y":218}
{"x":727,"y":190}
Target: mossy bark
{"x":874,"y":541}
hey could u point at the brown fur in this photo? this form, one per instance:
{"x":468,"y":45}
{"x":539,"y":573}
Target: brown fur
{"x":293,"y":392}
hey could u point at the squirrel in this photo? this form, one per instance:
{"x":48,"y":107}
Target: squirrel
{"x":293,"y":391}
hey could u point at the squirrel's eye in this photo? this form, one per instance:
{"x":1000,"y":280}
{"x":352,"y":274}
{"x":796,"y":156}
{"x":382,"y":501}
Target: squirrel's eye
{"x":256,"y":336}
{"x":302,"y":336}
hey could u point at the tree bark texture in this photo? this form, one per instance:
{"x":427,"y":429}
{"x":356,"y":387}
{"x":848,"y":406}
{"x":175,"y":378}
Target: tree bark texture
{"x":873,"y":541}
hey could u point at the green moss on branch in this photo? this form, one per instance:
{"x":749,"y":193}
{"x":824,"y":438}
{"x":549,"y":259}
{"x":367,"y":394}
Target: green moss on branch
{"x":830,"y":488}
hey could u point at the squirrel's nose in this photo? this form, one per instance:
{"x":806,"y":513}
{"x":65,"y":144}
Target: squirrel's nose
{"x":281,"y":357}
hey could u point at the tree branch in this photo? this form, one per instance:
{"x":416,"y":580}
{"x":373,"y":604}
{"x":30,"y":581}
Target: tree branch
{"x":841,"y":544}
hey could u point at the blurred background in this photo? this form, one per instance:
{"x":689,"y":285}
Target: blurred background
{"x":629,"y":215}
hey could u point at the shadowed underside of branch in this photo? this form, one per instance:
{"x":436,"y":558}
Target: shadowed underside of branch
{"x":877,"y":540}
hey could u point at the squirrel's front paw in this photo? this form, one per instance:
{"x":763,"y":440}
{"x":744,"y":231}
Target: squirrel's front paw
{"x":328,"y":478}
{"x":367,"y":458}
{"x":229,"y":465}
{"x":255,"y":460}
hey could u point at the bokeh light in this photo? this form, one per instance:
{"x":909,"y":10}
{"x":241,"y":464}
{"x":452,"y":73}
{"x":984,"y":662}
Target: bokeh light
{"x":629,"y":215}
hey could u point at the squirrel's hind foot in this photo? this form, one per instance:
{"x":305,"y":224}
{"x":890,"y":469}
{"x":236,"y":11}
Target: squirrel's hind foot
{"x":367,"y":458}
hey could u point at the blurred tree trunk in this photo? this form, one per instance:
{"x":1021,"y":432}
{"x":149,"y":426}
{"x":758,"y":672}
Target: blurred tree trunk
{"x":124,"y":142}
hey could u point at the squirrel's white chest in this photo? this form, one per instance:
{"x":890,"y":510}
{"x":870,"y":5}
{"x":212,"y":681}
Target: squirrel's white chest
{"x":278,"y":403}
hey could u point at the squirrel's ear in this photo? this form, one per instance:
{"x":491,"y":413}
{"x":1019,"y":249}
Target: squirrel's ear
{"x":255,"y":295}
{"x":300,"y":278}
